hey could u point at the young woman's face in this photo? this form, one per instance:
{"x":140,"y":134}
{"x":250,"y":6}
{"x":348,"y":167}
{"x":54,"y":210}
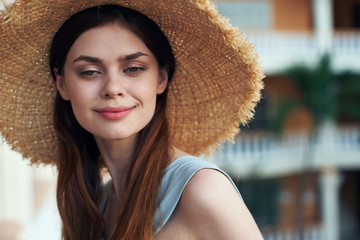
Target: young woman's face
{"x":111,"y":79}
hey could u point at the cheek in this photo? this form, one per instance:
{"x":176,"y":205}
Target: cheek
{"x":147,"y":97}
{"x":143,"y":90}
{"x":81,"y":92}
{"x":78,"y":100}
{"x":150,"y":98}
{"x":81,"y":100}
{"x":79,"y":110}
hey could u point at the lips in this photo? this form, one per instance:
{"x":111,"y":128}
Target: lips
{"x":114,"y":113}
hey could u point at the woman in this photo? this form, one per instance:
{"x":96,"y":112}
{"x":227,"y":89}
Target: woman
{"x":112,"y":68}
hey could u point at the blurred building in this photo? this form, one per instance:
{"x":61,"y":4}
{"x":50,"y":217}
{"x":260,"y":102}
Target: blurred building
{"x":27,"y":199}
{"x":295,"y":186}
{"x":316,"y":179}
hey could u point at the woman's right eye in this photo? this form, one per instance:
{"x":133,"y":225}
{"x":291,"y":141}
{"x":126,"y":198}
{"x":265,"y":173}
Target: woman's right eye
{"x":89,"y":74}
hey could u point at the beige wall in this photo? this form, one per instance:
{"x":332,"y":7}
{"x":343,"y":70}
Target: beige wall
{"x":288,"y":14}
{"x":292,"y":14}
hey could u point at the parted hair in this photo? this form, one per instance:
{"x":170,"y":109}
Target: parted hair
{"x":79,"y":163}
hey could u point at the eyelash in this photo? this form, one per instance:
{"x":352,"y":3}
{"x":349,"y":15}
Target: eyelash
{"x":88,"y":73}
{"x":133,"y":70}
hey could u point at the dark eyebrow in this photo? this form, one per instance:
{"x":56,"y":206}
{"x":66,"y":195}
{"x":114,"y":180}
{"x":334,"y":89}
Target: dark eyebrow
{"x":132,"y":56}
{"x":121,"y":59}
{"x":87,"y":59}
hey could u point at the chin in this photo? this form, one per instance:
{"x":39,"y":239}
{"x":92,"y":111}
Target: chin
{"x":116,"y":136}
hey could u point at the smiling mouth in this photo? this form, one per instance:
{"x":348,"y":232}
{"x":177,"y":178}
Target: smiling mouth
{"x":114,"y":113}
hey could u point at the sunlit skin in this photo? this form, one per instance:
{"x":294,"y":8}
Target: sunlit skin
{"x":111,"y":80}
{"x":109,"y":67}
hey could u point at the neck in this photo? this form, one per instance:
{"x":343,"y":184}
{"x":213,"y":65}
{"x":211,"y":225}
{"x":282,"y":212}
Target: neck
{"x":118,"y":158}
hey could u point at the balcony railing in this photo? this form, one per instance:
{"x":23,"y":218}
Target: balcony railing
{"x":266,"y":154}
{"x":280,"y":49}
{"x":311,"y":233}
{"x":346,"y":42}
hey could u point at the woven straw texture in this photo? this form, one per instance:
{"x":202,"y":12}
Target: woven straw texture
{"x":215,"y":88}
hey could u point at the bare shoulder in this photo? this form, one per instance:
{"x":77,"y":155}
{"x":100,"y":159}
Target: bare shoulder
{"x":211,"y":208}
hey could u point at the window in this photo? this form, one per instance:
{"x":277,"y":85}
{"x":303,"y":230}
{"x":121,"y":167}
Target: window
{"x":247,"y":14}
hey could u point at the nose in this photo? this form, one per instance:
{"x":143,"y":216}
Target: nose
{"x":113,"y":86}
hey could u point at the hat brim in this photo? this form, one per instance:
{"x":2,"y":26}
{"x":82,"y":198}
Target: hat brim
{"x":215,"y":87}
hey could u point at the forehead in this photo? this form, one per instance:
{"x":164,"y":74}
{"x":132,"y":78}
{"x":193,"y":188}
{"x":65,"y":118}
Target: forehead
{"x":109,"y":39}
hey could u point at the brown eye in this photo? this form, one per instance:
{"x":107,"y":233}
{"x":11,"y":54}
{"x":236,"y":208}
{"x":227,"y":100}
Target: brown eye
{"x":134,"y":69}
{"x":89,"y":74}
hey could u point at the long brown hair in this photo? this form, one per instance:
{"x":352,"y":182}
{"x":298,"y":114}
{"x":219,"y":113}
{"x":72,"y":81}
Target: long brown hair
{"x":79,"y":178}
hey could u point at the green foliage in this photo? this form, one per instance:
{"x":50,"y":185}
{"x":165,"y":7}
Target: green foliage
{"x":324,"y":93}
{"x":318,"y":87}
{"x":280,"y":113}
{"x":349,"y":95}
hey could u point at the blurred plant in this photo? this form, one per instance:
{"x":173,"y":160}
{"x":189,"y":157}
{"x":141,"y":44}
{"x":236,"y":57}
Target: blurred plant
{"x":318,"y":87}
{"x":327,"y":96}
{"x":348,"y":104}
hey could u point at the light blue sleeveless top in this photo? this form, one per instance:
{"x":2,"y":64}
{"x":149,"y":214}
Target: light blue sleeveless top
{"x":176,"y":176}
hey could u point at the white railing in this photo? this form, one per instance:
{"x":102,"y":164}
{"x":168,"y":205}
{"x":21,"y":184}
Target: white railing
{"x":312,"y":233}
{"x":346,"y":49}
{"x":346,"y":42}
{"x":283,"y":42}
{"x":280,"y":49}
{"x":271,"y":155}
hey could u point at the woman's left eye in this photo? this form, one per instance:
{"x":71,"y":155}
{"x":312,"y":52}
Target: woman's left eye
{"x":134,"y":69}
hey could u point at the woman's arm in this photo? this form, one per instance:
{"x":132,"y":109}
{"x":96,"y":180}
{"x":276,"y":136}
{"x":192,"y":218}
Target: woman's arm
{"x":211,"y":208}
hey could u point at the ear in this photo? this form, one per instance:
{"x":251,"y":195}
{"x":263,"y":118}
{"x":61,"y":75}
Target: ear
{"x":60,"y":85}
{"x":163,"y":79}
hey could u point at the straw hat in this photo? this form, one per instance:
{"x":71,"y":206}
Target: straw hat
{"x":215,"y":87}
